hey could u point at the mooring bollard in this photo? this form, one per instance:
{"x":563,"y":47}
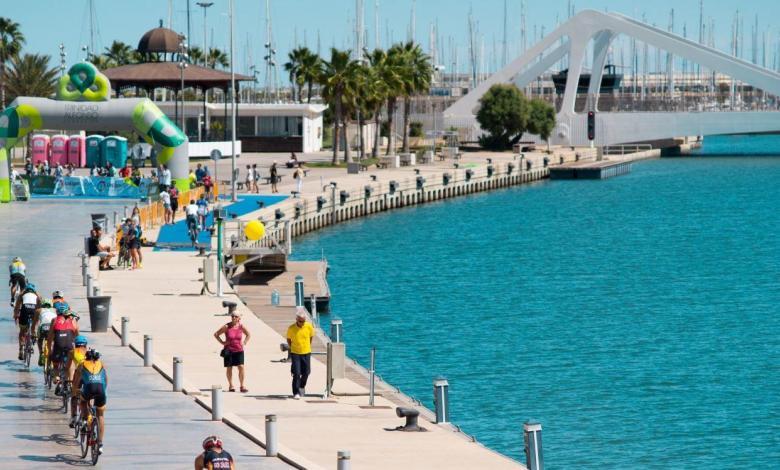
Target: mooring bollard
{"x":372,"y":378}
{"x":532,"y":438}
{"x":216,"y":402}
{"x":343,"y":457}
{"x":125,"y":331}
{"x":84,"y":268}
{"x":336,"y":330}
{"x":271,"y":440}
{"x":147,"y":350}
{"x":89,"y":285}
{"x":275,"y":298}
{"x":299,"y":291}
{"x":313,"y":300}
{"x":178,"y":371}
{"x":441,"y":399}
{"x":95,"y":291}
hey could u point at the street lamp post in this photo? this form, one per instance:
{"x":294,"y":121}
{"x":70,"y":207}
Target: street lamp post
{"x":183,"y":62}
{"x":204,"y":5}
{"x":63,"y":54}
{"x":232,"y":110}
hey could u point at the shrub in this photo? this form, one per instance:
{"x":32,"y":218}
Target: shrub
{"x":503,"y":113}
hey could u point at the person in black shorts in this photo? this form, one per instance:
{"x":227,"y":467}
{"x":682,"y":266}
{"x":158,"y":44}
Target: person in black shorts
{"x":214,"y":457}
{"x":27,"y":306}
{"x":92,"y":381}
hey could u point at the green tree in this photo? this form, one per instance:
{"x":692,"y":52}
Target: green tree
{"x":418,"y":72}
{"x":303,"y":68}
{"x":216,"y":58}
{"x":120,"y":53}
{"x":395,"y":65}
{"x":338,"y":81}
{"x":503,"y":113}
{"x":31,"y":75}
{"x":196,"y":55}
{"x":11,"y":42}
{"x":541,"y":119}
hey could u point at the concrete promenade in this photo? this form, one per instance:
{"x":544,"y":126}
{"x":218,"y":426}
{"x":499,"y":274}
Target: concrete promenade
{"x":147,"y":424}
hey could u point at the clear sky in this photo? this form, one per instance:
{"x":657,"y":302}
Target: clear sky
{"x":47,"y":23}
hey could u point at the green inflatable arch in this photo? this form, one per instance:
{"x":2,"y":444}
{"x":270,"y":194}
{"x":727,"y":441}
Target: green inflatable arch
{"x":83,"y":101}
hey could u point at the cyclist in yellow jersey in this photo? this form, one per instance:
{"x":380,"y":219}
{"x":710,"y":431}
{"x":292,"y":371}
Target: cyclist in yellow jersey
{"x":76,"y":357}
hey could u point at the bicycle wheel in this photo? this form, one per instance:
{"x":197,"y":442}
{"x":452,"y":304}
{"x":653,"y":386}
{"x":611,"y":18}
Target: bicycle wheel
{"x":77,"y":426}
{"x":28,"y":350}
{"x":94,"y":448}
{"x":65,"y":396}
{"x":84,"y":433}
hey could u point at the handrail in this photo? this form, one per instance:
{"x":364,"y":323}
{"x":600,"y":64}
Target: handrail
{"x":625,"y":148}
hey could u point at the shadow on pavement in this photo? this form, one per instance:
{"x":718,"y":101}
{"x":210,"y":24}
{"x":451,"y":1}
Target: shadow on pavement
{"x":38,"y":408}
{"x":74,"y":460}
{"x":61,"y":439}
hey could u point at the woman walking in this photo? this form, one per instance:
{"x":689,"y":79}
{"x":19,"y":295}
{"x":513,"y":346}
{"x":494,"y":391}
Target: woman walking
{"x":236,"y":337}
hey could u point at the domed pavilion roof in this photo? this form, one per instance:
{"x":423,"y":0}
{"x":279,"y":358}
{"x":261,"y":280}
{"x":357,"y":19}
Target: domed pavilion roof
{"x":159,"y":40}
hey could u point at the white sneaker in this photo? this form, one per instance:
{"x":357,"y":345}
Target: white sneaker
{"x":296,"y":397}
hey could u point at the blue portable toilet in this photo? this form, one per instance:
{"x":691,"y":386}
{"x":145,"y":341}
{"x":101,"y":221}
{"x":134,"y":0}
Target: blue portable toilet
{"x":93,"y":151}
{"x":113,"y":150}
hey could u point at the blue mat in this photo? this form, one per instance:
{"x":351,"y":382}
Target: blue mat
{"x":175,"y":237}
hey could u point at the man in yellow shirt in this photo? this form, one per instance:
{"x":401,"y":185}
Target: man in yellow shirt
{"x":299,"y":338}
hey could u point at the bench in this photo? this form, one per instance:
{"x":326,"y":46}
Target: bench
{"x":268,"y":179}
{"x":239,"y":184}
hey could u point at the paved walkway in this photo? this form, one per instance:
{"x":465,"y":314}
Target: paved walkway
{"x":146,"y":423}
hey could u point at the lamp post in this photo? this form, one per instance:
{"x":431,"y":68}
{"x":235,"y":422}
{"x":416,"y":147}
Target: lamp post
{"x":62,"y":59}
{"x":183,"y":62}
{"x":232,"y":110}
{"x":204,"y":5}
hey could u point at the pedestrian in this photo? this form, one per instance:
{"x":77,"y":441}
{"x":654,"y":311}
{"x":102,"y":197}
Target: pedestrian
{"x":299,"y":337}
{"x":174,"y":193}
{"x":96,"y":248}
{"x":274,"y":174}
{"x":250,"y":178}
{"x":298,"y":176}
{"x":199,"y":173}
{"x":46,"y":168}
{"x":236,"y":337}
{"x":133,"y":241}
{"x":256,"y":174}
{"x":214,"y":456}
{"x":165,"y":197}
{"x":28,"y":168}
{"x":203,"y":210}
{"x":165,"y":177}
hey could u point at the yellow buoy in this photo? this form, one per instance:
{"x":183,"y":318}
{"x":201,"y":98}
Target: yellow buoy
{"x":254,"y":230}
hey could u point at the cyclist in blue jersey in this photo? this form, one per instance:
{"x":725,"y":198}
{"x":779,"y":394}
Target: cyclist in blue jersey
{"x":91,"y":381}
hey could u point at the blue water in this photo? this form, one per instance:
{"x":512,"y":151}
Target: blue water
{"x":176,"y":237}
{"x":637,"y":318}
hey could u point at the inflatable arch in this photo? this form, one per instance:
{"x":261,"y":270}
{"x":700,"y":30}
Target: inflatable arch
{"x":83,"y":101}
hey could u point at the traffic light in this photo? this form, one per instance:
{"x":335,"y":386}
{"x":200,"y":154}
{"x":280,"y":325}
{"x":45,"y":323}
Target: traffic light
{"x":591,"y":125}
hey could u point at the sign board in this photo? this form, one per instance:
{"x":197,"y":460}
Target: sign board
{"x":216,"y":154}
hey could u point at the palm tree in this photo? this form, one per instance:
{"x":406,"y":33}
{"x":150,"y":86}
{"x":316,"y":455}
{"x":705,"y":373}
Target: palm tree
{"x":303,"y":68}
{"x":11,"y":41}
{"x":384,"y":79}
{"x":216,"y":58}
{"x":395,"y":62}
{"x":196,"y":55}
{"x":292,"y":67}
{"x":101,"y":61}
{"x":418,"y":71}
{"x":310,"y":69}
{"x":30,"y":75}
{"x":338,"y":84}
{"x":120,"y":53}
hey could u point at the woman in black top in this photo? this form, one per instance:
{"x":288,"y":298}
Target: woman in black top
{"x":274,"y":173}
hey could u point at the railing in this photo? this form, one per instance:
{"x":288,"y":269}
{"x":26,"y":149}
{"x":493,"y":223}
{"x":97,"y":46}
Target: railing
{"x":626,"y":148}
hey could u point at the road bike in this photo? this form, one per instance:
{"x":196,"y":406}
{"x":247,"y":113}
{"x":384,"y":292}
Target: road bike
{"x":90,"y":433}
{"x":28,"y":349}
{"x":192,"y":229}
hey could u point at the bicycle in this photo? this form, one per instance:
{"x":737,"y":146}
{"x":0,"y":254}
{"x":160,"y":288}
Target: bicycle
{"x":192,"y":229}
{"x":90,"y":433}
{"x":47,"y":370}
{"x":63,"y":387}
{"x":28,"y":348}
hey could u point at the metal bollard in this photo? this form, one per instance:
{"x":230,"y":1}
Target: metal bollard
{"x":271,"y":436}
{"x":84,"y":268}
{"x":89,"y":285}
{"x":125,"y":331}
{"x":343,"y":457}
{"x":313,"y":300}
{"x":336,"y":330}
{"x":532,"y":438}
{"x":372,"y":378}
{"x":299,"y":291}
{"x":125,"y":212}
{"x":147,"y":350}
{"x":116,"y":219}
{"x":441,"y":399}
{"x":95,"y":291}
{"x":216,"y":402}
{"x":178,"y":373}
{"x":275,"y":298}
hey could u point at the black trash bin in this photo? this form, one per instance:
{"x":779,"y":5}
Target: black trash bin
{"x":99,"y":309}
{"x":100,"y":220}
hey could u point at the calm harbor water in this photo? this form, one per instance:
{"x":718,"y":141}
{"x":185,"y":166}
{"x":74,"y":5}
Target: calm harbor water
{"x":637,"y":318}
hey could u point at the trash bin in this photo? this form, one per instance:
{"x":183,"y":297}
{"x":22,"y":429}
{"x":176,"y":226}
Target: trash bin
{"x":99,"y":310}
{"x":101,"y":220}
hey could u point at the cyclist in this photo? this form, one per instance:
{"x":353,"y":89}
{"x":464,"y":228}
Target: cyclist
{"x":64,"y":328}
{"x":192,"y":220}
{"x":41,"y":325}
{"x":92,"y":381}
{"x":18,"y":271}
{"x":203,"y":210}
{"x":75,"y":359}
{"x":27,"y":306}
{"x":57,"y":297}
{"x":214,"y":456}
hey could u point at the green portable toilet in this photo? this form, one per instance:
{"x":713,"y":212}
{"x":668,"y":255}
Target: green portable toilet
{"x":113,"y":150}
{"x":93,"y":150}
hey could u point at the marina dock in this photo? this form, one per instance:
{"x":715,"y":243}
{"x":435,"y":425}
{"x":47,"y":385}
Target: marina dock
{"x":590,"y":170}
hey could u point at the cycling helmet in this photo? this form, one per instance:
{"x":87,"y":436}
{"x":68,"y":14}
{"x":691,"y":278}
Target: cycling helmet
{"x":57,"y":294}
{"x":30,"y":287}
{"x":62,"y":307}
{"x":46,"y":303}
{"x":92,"y":355}
{"x":17,"y":259}
{"x":80,"y":340}
{"x":212,"y":441}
